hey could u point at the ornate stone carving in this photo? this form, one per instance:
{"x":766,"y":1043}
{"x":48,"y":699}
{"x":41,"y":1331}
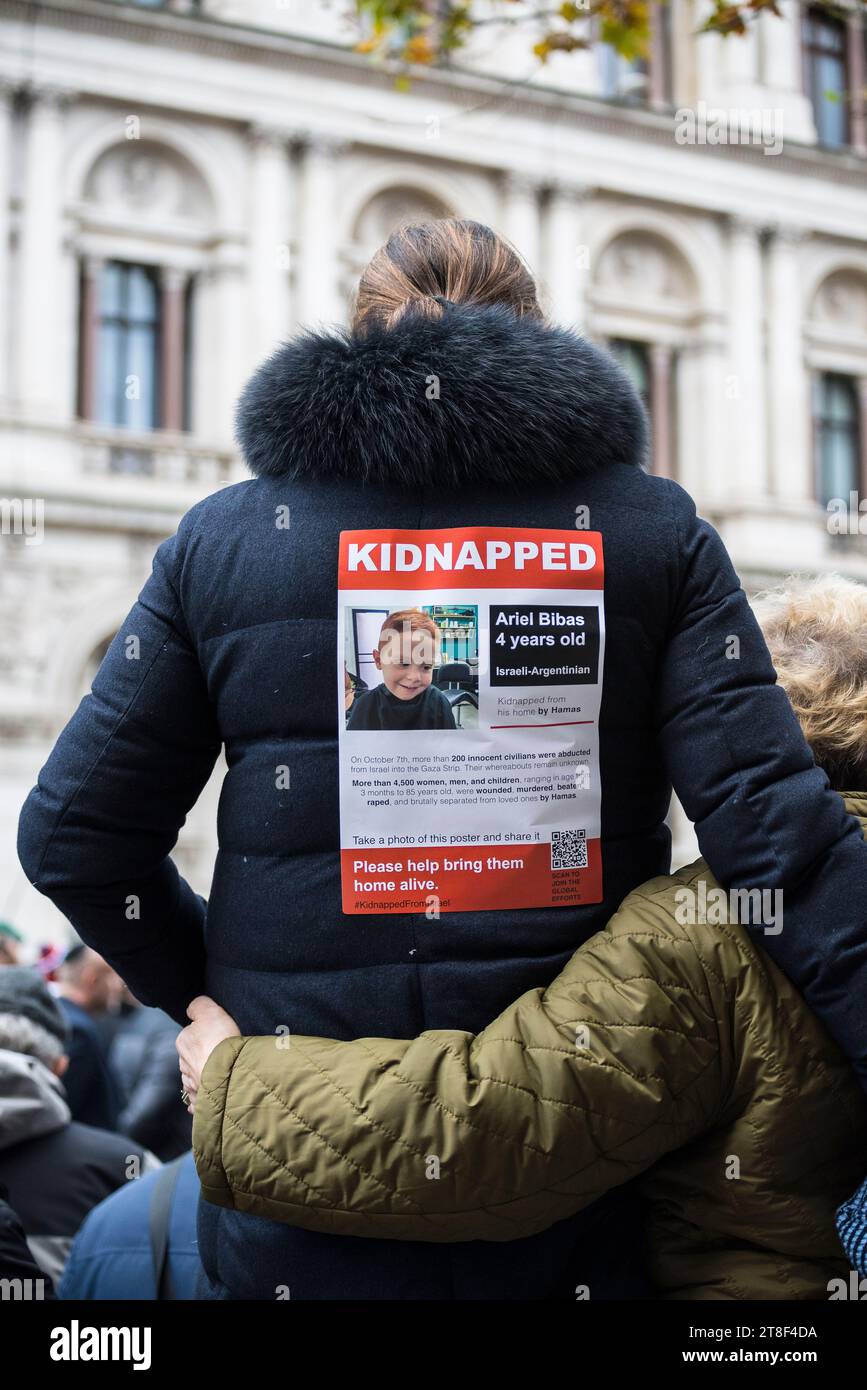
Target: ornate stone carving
{"x":842,"y":300}
{"x":147,"y":181}
{"x":640,"y":266}
{"x":383,"y":213}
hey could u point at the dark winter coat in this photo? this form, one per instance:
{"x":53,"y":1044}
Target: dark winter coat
{"x":145,"y":1060}
{"x":237,"y":646}
{"x":55,"y":1169}
{"x":16,"y":1261}
{"x":112,"y":1256}
{"x":92,"y":1092}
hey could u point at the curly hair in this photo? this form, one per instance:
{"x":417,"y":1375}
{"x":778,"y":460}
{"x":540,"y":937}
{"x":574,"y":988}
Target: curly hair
{"x":817,"y":634}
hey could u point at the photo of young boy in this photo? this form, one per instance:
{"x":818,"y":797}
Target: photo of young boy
{"x":406,"y":654}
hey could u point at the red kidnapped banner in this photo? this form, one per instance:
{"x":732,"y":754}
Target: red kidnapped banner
{"x":473,"y":558}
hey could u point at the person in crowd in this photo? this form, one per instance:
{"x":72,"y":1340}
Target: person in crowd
{"x":54,"y":1168}
{"x":109,"y":1021}
{"x":236,"y":636}
{"x":86,"y":989}
{"x":140,"y":1243}
{"x":144,"y":1061}
{"x":16,"y":1261}
{"x":51,"y":957}
{"x":670,"y":1048}
{"x":10,"y":942}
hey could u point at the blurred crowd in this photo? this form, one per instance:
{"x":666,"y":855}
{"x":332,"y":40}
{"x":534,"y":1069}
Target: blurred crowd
{"x":90,"y":1100}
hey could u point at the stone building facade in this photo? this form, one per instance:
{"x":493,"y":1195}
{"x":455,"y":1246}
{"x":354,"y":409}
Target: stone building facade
{"x":183,"y":184}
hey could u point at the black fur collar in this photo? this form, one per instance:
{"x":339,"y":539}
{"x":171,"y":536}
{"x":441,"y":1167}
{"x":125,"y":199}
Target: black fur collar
{"x":518,"y":400}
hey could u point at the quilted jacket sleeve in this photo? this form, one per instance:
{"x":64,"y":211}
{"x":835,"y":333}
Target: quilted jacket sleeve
{"x":571,"y":1091}
{"x":96,"y":832}
{"x":764,"y":814}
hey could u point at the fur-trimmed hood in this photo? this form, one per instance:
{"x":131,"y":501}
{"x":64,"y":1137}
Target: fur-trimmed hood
{"x":477,"y":395}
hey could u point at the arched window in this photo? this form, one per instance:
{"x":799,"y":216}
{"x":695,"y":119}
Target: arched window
{"x":137,"y":312}
{"x":644,"y":302}
{"x":837,"y":436}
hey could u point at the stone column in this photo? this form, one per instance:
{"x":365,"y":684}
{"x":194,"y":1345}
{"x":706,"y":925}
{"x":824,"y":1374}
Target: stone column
{"x":42,"y":297}
{"x":567,"y":258}
{"x":320,"y":301}
{"x":699,"y":406}
{"x":269,"y":239}
{"x":7,"y":99}
{"x":661,"y":412}
{"x":521,"y":216}
{"x":745,"y":388}
{"x":788,"y":394}
{"x":857,"y":79}
{"x":660,"y":57}
{"x":88,"y":352}
{"x":173,"y":284}
{"x":228,"y":294}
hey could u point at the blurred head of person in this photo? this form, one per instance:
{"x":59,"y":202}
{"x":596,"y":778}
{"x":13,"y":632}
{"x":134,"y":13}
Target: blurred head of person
{"x":30,"y":1021}
{"x":452,"y":259}
{"x":816,"y":631}
{"x":89,"y":981}
{"x":10,"y":941}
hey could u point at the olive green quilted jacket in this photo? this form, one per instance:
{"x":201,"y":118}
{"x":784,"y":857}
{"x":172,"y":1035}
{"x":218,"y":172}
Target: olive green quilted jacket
{"x":667,"y":1049}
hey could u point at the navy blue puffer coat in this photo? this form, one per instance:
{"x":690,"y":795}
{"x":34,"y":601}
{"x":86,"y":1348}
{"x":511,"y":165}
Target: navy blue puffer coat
{"x":236,"y":647}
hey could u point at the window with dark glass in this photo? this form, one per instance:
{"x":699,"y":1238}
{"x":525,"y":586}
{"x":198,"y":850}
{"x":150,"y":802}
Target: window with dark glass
{"x":127,"y":347}
{"x":652,"y":368}
{"x":837,"y":436}
{"x":634,"y":358}
{"x":825,"y":53}
{"x":622,"y":78}
{"x":640,"y":80}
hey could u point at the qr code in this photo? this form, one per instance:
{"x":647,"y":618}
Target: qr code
{"x":568,"y":849}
